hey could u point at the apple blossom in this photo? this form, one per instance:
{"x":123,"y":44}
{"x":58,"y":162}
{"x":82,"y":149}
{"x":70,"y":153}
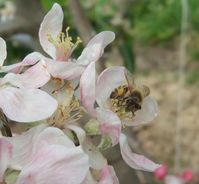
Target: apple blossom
{"x":20,"y":100}
{"x":110,"y":122}
{"x":46,"y":155}
{"x":59,"y":47}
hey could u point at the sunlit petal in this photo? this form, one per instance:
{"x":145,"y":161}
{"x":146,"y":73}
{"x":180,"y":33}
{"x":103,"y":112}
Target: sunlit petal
{"x":26,"y":105}
{"x":95,"y":47}
{"x":108,"y":80}
{"x":87,"y":88}
{"x":51,"y":25}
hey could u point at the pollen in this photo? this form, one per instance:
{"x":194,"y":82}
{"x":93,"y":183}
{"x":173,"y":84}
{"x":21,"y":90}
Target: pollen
{"x":64,"y":44}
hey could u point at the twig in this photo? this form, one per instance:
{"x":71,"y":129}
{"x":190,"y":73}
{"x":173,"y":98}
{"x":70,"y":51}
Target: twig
{"x":181,"y":73}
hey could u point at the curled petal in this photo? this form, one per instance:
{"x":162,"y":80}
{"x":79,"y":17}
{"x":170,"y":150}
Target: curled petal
{"x":3,"y":51}
{"x":148,"y":112}
{"x":81,"y":134}
{"x":107,"y":81}
{"x":30,"y":59}
{"x":95,"y":47}
{"x":110,"y":124}
{"x":64,"y":70}
{"x":87,"y":88}
{"x":26,"y":105}
{"x":51,"y":26}
{"x":34,"y":77}
{"x":108,"y":176}
{"x":173,"y":180}
{"x":56,"y":164}
{"x":134,"y":160}
{"x":5,"y":156}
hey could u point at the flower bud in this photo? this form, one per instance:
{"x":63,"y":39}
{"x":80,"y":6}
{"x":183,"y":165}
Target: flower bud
{"x":187,"y":175}
{"x":160,"y":172}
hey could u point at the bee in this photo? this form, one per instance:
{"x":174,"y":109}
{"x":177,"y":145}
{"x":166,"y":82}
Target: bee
{"x":129,"y":97}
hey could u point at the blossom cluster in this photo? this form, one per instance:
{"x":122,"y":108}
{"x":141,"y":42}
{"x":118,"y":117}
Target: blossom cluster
{"x":79,"y":113}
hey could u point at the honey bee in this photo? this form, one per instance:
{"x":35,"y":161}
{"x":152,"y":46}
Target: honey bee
{"x":129,"y":97}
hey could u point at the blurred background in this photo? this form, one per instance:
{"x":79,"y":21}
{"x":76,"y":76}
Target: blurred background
{"x":158,"y":41}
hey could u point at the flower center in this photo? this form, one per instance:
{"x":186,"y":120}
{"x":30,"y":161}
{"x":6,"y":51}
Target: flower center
{"x":69,"y":109}
{"x":64,"y":45}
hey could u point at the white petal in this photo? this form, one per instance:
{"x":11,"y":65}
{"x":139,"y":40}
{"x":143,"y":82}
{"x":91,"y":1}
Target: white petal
{"x":3,"y":51}
{"x":107,"y":81}
{"x":5,"y":156}
{"x":134,"y":160}
{"x":35,"y":77}
{"x":108,"y":176}
{"x":51,"y":25}
{"x":87,"y":88}
{"x":26,"y":105}
{"x":64,"y":70}
{"x":23,"y":146}
{"x":110,"y":124}
{"x":95,"y":47}
{"x":30,"y":59}
{"x":148,"y":112}
{"x":56,"y":164}
{"x":173,"y":180}
{"x":96,"y":159}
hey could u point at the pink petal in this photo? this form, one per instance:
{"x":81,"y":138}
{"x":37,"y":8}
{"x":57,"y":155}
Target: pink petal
{"x":64,"y":70}
{"x":26,"y":145}
{"x":30,"y":59}
{"x":95,"y":47}
{"x":3,"y":51}
{"x":56,"y":164}
{"x":26,"y":105}
{"x":87,"y":88}
{"x":134,"y":160}
{"x":107,"y":81}
{"x":51,"y":25}
{"x":108,"y":176}
{"x":23,"y":146}
{"x":148,"y":112}
{"x":5,"y":156}
{"x":173,"y":180}
{"x":35,"y":77}
{"x":110,"y":124}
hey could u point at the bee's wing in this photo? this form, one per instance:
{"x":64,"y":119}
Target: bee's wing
{"x":130,"y":80}
{"x":144,"y":90}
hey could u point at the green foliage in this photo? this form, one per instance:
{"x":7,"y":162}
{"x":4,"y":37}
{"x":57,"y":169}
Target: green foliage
{"x":49,"y":3}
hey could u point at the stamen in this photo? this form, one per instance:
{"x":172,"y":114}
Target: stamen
{"x":64,"y":44}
